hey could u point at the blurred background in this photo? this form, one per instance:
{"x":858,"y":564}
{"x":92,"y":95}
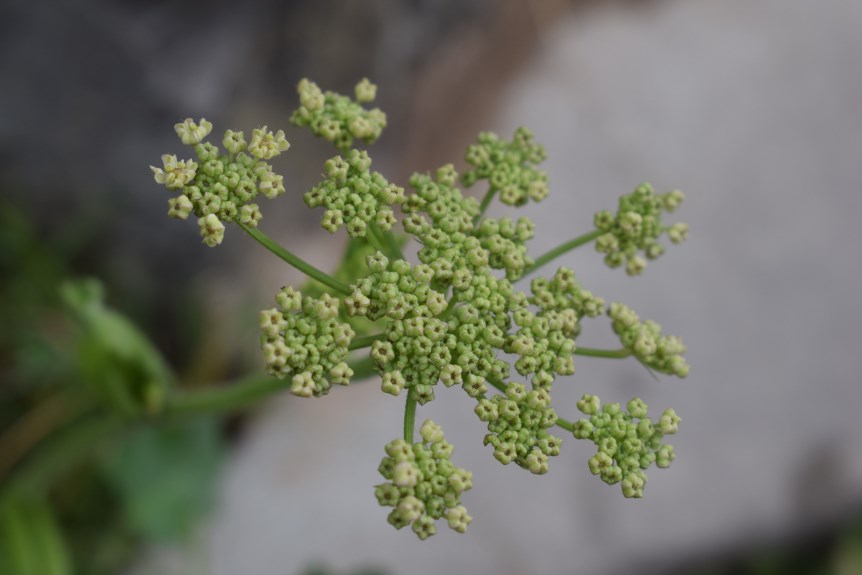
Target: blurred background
{"x":752,"y":107}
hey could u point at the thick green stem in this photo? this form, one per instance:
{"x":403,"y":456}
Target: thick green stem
{"x":561,"y":249}
{"x":450,"y":308}
{"x":245,"y":392}
{"x":565,"y":424}
{"x":609,"y":353}
{"x":409,"y":417}
{"x":486,"y":201}
{"x":365,"y":341}
{"x":224,"y":398}
{"x":386,"y":242}
{"x":294,"y":260}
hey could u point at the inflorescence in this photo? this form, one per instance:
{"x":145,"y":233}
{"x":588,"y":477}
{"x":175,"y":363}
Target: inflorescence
{"x":456,"y":316}
{"x":220,"y":187}
{"x":424,"y":485}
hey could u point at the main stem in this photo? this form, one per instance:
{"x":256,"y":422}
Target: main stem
{"x":294,"y":260}
{"x":387,"y":242}
{"x":608,"y":353}
{"x":486,"y":201}
{"x":409,"y":417}
{"x":561,"y":249}
{"x":365,"y":341}
{"x":245,"y":392}
{"x":241,"y":394}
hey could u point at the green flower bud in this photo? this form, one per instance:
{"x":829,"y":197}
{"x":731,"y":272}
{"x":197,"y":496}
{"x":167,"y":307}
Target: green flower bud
{"x":633,"y":485}
{"x":179,"y":207}
{"x":234,"y":142}
{"x":410,"y":508}
{"x":405,"y":474}
{"x":393,"y":382}
{"x":669,"y":422}
{"x":424,"y":527}
{"x":266,"y":145}
{"x":431,"y":432}
{"x":212,"y":230}
{"x":588,"y":404}
{"x":637,"y":408}
{"x":665,"y":456}
{"x":302,"y":384}
{"x":458,"y":518}
{"x":191,"y":133}
{"x":365,"y":91}
{"x":250,"y":215}
{"x":461,"y":480}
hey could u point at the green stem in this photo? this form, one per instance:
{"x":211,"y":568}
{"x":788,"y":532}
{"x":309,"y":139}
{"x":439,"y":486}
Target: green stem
{"x":449,"y":309}
{"x":365,"y":341}
{"x":609,"y":353}
{"x":386,"y":242}
{"x":561,"y":249}
{"x":565,"y":424}
{"x":498,"y":384}
{"x":245,"y":392}
{"x":409,"y":417}
{"x":486,"y":201}
{"x":375,"y":241}
{"x":294,"y":260}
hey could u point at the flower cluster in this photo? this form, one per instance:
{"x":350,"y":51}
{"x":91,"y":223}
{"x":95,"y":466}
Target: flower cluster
{"x":562,"y":293}
{"x":445,"y":233}
{"x":220,"y":187}
{"x":636,"y":228}
{"x":423,"y":484}
{"x":337,"y":118}
{"x":509,"y":167}
{"x":420,"y":344}
{"x":450,"y":236}
{"x":627,"y":441}
{"x":454,"y":317}
{"x":354,"y":196}
{"x":303,"y":338}
{"x":517,"y":422}
{"x":644,"y":339}
{"x":506,"y":243}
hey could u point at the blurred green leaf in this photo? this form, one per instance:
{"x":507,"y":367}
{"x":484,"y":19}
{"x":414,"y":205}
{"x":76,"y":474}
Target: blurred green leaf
{"x":31,"y":541}
{"x":118,"y":361}
{"x":164,"y":476}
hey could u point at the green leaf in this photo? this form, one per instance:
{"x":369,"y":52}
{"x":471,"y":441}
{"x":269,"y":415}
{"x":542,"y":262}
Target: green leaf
{"x":164,"y":476}
{"x":119,"y":363}
{"x":30,"y":540}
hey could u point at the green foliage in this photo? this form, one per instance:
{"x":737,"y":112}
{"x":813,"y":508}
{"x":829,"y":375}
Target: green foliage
{"x":119,"y":364}
{"x":30,"y":539}
{"x":162,"y":476}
